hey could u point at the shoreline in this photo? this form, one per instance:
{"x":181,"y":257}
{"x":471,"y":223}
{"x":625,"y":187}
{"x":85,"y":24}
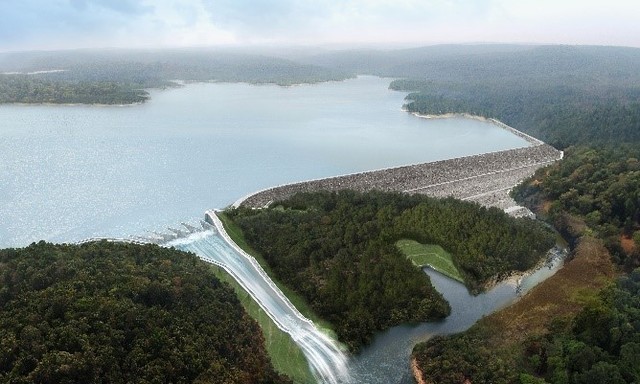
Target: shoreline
{"x":50,"y":104}
{"x":530,"y":139}
{"x":417,"y":373}
{"x":516,"y":278}
{"x":533,"y":143}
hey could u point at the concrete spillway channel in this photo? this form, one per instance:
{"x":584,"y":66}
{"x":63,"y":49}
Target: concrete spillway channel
{"x":327,"y":360}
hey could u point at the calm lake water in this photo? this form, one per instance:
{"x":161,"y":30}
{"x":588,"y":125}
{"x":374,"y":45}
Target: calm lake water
{"x":72,"y":172}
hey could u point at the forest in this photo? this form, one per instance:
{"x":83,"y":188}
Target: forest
{"x":600,"y":345}
{"x":122,"y":313}
{"x":600,"y":186}
{"x":29,"y":89}
{"x":338,"y":251}
{"x":563,"y":95}
{"x":591,"y":197}
{"x":121,"y":76}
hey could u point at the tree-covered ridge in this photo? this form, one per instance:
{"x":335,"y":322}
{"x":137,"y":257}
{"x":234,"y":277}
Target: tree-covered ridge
{"x":37,"y":89}
{"x":600,"y":345}
{"x":563,"y":95}
{"x":119,"y":76}
{"x":599,"y":186}
{"x":338,"y":251}
{"x":122,"y":313}
{"x":591,"y":196}
{"x":558,"y":114}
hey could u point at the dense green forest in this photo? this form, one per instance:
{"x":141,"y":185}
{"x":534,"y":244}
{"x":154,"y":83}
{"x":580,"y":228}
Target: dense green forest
{"x":599,"y":186}
{"x":585,"y":100}
{"x":122,"y":313}
{"x":600,"y":345}
{"x":338,"y":251}
{"x":563,"y":95}
{"x":590,"y":196}
{"x":39,"y":89}
{"x":118,"y":76}
{"x":560,"y":115}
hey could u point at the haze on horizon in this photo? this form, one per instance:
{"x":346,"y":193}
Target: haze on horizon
{"x":70,"y":24}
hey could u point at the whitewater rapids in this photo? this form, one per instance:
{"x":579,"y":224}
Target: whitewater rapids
{"x":326,"y":358}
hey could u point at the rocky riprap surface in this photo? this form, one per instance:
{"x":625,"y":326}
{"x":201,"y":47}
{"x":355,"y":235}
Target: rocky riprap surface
{"x":486,"y":178}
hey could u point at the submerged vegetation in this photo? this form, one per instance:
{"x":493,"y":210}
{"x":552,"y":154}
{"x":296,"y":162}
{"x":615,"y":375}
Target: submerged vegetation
{"x":105,"y":312}
{"x":338,"y":251}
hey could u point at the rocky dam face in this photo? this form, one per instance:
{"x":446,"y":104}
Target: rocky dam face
{"x":486,"y":179}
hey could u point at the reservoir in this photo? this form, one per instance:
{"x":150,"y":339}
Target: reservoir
{"x":73,"y":172}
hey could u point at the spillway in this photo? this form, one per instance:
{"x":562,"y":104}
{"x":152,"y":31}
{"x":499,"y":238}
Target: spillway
{"x":326,"y":358}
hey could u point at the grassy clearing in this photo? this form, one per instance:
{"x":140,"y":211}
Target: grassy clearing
{"x":298,"y":301}
{"x":422,"y":255}
{"x":561,"y":296}
{"x":285,"y":355}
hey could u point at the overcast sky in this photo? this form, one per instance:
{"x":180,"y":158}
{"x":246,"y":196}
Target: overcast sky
{"x":54,"y":24}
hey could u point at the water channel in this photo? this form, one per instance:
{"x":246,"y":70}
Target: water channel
{"x":386,"y":359}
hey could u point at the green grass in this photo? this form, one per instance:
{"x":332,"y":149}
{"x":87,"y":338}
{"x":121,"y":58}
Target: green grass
{"x":285,"y":355}
{"x":434,"y":256}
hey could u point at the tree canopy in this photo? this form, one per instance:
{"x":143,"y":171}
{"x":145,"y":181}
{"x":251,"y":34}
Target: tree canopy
{"x":122,"y":313}
{"x":338,"y":251}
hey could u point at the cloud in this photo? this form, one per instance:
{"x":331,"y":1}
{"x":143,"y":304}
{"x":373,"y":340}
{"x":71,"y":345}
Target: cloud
{"x":41,"y":24}
{"x":269,"y":19}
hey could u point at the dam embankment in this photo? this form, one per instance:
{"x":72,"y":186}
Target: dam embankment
{"x":485,"y":178}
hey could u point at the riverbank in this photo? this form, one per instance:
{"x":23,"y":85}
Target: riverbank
{"x":499,"y":339}
{"x":417,"y":373}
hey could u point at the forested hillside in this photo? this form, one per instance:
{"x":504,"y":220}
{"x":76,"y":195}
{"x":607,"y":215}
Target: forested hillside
{"x":562,"y":95}
{"x":587,"y":101}
{"x":40,"y":89}
{"x":594,"y":187}
{"x":600,"y":345}
{"x":118,"y":76}
{"x":122,"y":313}
{"x":338,"y":251}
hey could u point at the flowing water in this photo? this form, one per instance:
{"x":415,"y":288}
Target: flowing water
{"x":326,"y":358}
